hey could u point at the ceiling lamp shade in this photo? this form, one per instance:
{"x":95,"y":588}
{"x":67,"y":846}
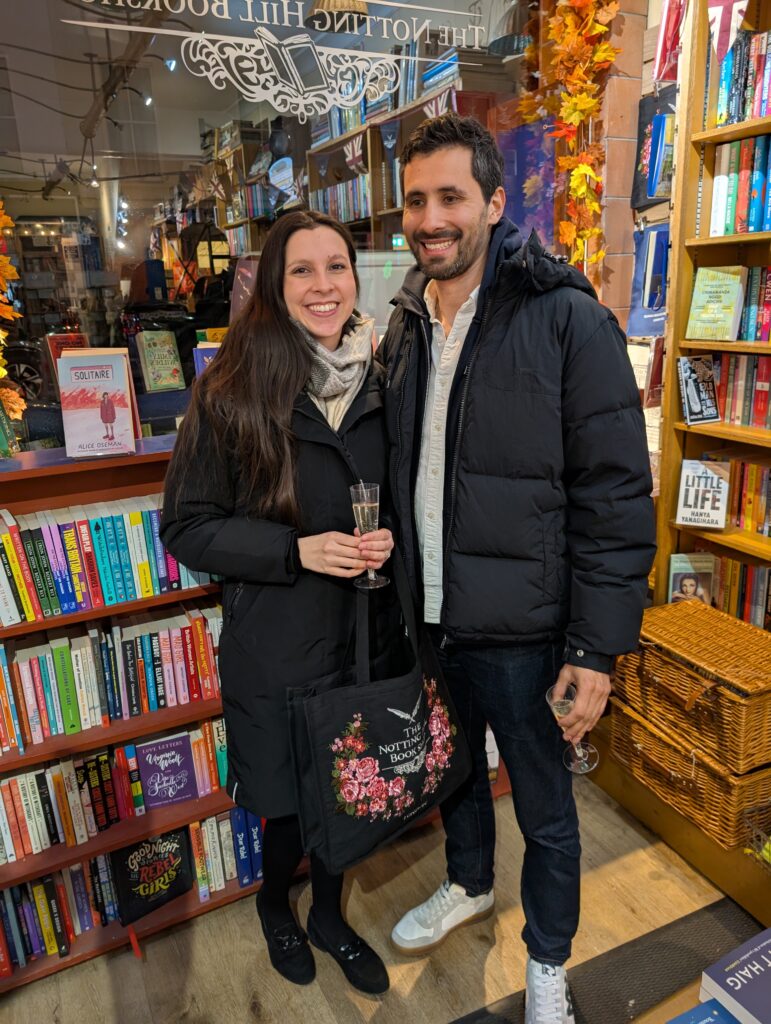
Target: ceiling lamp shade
{"x":510,"y":36}
{"x":330,"y":15}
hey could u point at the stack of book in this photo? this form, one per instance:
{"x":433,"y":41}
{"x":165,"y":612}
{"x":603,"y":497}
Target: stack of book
{"x":441,"y":72}
{"x":72,"y":801}
{"x":238,"y":239}
{"x":347,"y":201}
{"x":257,"y":204}
{"x":45,"y":917}
{"x":725,"y":583}
{"x":726,"y":388}
{"x":740,"y":197}
{"x":744,"y":79}
{"x":85,"y":557}
{"x":65,"y":682}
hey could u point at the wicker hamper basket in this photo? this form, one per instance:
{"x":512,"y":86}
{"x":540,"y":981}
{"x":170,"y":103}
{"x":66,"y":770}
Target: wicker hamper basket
{"x":704,"y":677}
{"x":686,"y":779}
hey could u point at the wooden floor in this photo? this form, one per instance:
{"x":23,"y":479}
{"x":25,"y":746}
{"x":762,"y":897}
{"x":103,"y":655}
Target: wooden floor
{"x":215,"y":970}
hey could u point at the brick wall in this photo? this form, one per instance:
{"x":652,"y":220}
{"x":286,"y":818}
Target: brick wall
{"x":620,"y":130}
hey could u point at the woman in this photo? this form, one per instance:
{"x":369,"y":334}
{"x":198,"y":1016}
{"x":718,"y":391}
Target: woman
{"x":283,"y":421}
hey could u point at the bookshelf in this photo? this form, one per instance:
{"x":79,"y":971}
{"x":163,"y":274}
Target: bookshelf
{"x":732,"y":871}
{"x":37,"y":481}
{"x":470,"y":93}
{"x":691,"y":248}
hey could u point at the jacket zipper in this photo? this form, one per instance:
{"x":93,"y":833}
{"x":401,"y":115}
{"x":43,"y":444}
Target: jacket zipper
{"x":236,"y":597}
{"x":456,"y":450}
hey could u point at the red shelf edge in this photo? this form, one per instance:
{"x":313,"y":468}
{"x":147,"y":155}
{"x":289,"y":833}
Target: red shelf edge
{"x":121,"y":834}
{"x":108,"y":611}
{"x":117,"y":732}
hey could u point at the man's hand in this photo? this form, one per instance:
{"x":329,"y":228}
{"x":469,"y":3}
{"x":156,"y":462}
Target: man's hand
{"x":375,"y":547}
{"x":336,"y":554}
{"x":592,"y":691}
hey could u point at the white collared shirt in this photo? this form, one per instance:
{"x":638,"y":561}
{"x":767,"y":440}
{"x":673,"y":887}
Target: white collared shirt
{"x":429,"y":489}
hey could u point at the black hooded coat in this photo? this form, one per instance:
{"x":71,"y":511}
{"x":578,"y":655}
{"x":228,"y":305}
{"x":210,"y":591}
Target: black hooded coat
{"x":548,"y":521}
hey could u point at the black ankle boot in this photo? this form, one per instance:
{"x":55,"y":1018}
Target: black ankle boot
{"x":288,"y":949}
{"x":359,"y":962}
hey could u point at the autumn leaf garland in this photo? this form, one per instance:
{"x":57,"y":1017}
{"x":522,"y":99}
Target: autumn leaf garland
{"x":14,"y":404}
{"x":570,"y":89}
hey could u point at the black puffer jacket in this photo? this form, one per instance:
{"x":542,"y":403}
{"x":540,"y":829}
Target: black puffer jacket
{"x":282,"y":626}
{"x":548,"y":520}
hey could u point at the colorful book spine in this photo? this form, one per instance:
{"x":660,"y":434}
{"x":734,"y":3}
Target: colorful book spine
{"x":99,"y":541}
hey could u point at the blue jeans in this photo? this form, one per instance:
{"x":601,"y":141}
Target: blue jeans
{"x":506,"y":687}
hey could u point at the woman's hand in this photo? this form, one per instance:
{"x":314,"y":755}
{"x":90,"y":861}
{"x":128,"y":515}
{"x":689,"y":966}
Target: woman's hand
{"x":336,"y":554}
{"x":375,"y":547}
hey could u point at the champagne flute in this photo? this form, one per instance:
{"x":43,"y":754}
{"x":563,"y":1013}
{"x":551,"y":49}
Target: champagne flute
{"x":579,"y":758}
{"x":366,"y":511}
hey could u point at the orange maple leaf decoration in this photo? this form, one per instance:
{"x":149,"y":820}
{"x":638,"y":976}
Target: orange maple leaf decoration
{"x":571,"y":86}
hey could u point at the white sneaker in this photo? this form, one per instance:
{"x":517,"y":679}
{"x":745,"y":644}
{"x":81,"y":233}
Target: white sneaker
{"x":425,"y":927}
{"x":547,"y":997}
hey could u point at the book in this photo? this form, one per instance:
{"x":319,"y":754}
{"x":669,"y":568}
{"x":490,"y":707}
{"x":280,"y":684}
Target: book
{"x":166,"y":770}
{"x":710,"y":1012}
{"x":96,"y":396}
{"x":703,"y":496}
{"x":741,"y":980}
{"x":203,"y":354}
{"x":716,"y":303}
{"x":697,"y":389}
{"x":693,"y":577}
{"x":151,"y":873}
{"x":57,"y":343}
{"x":159,"y":359}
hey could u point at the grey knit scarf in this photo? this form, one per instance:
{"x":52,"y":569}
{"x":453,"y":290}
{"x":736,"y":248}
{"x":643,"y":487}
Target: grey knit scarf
{"x":341,"y":370}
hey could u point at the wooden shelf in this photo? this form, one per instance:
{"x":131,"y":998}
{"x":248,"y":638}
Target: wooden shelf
{"x":332,"y":144}
{"x":234,"y":223}
{"x":733,"y":132}
{"x":103,"y":939}
{"x":122,"y":730}
{"x":748,"y":238}
{"x":124,"y":833}
{"x":752,"y":544}
{"x":728,"y":432}
{"x":123,"y":608}
{"x":390,"y":212}
{"x":750,"y":347}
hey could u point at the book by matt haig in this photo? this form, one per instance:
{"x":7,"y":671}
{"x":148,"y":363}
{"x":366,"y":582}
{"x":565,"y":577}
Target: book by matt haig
{"x":741,"y":981}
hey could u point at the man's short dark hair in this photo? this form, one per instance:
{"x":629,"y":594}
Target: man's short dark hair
{"x":453,"y":130}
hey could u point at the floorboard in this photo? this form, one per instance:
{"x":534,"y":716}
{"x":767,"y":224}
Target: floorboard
{"x":215,"y":969}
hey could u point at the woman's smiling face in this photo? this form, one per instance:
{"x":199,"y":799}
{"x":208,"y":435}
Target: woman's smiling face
{"x":319,"y":286}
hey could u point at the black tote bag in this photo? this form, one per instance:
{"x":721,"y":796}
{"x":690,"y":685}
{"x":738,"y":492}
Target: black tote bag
{"x":370,"y":757}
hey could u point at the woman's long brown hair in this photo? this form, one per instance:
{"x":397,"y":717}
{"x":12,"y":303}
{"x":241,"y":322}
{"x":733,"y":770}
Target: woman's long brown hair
{"x":248,"y":391}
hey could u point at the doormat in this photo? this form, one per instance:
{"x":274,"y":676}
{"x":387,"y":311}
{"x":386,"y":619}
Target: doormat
{"x":629,"y":980}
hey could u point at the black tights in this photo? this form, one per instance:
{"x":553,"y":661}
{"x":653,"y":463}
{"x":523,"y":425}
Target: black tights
{"x":281,"y":854}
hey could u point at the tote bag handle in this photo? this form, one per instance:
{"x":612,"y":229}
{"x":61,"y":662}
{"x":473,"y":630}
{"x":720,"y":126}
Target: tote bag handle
{"x":362,"y":618}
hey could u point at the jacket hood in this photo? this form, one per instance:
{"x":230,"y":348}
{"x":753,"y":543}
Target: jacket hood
{"x":523,"y":264}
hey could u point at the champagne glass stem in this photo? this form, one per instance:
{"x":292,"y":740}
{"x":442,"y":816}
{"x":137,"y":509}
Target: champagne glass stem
{"x":580,"y":752}
{"x":372,"y":574}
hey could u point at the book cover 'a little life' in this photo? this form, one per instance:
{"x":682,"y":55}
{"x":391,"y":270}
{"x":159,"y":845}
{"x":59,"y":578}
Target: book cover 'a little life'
{"x":96,"y":404}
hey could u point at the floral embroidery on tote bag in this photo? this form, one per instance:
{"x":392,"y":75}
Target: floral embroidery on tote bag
{"x":362,"y":790}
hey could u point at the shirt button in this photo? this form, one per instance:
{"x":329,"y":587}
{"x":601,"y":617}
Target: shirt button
{"x":580,"y":653}
{"x":437,"y":426}
{"x":435,"y":472}
{"x":431,"y":516}
{"x":431,"y":555}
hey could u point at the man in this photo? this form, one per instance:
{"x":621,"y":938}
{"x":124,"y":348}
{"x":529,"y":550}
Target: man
{"x":515,"y":421}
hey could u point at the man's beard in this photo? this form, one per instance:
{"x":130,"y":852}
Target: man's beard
{"x":469,"y":249}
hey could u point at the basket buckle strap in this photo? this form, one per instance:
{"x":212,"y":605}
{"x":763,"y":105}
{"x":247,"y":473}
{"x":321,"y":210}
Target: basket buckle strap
{"x":681,"y":781}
